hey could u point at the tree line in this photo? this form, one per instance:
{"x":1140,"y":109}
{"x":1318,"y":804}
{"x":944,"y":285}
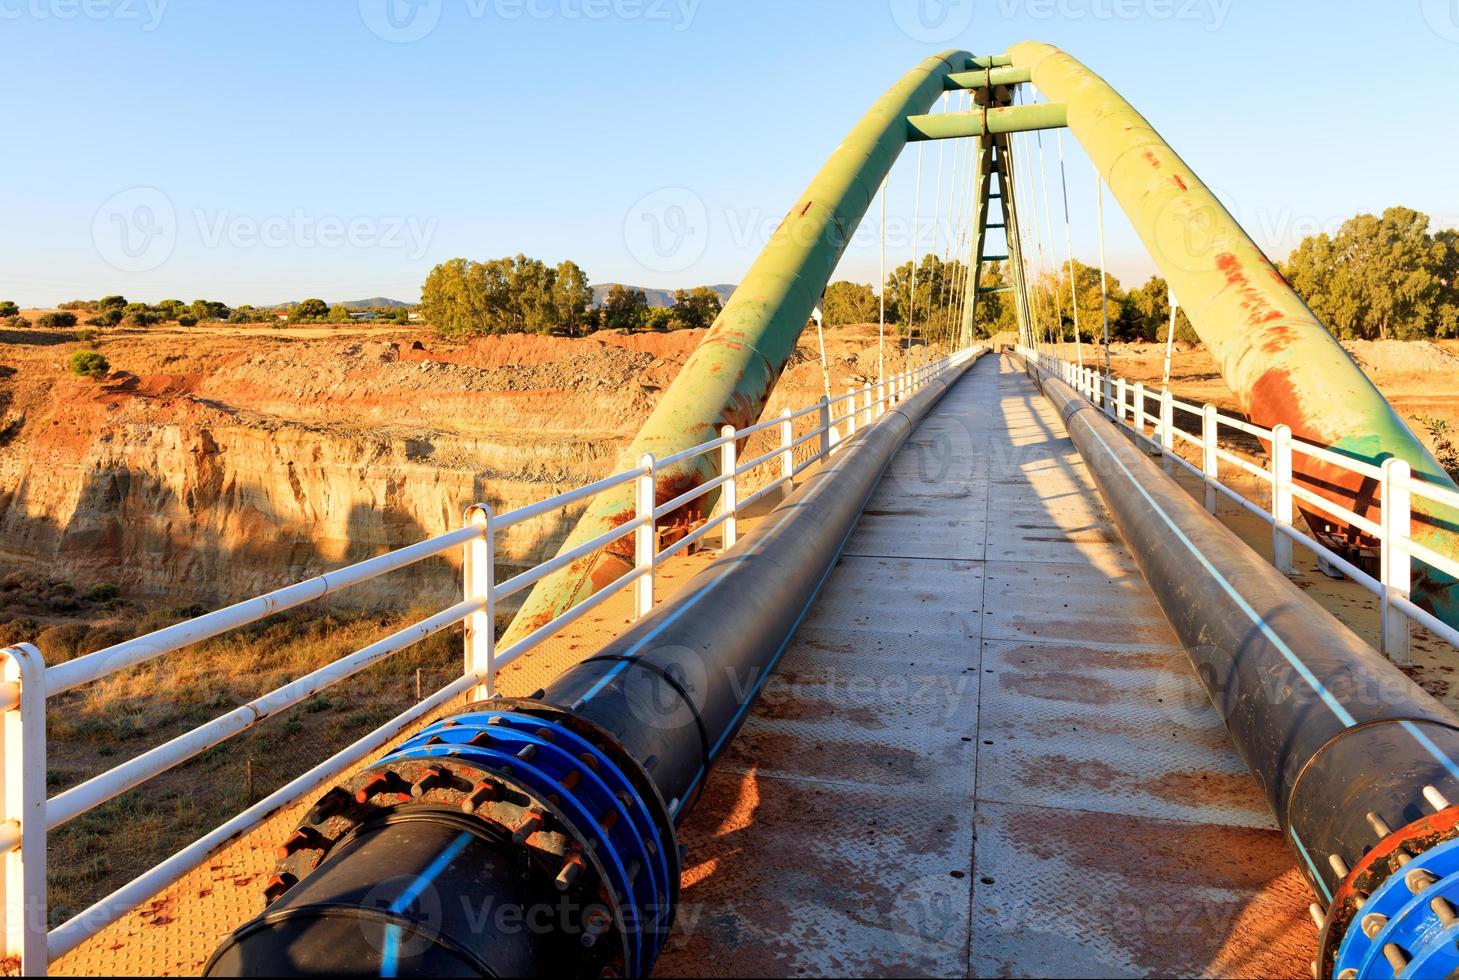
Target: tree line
{"x":462,"y":298}
{"x":117,"y":311}
{"x":1375,"y":278}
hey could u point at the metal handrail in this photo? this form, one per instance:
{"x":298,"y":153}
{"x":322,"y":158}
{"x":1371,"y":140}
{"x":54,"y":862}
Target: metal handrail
{"x":26,"y":815}
{"x":1397,"y":482}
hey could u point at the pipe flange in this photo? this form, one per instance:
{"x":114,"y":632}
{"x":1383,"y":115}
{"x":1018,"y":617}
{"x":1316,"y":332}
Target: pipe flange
{"x":1344,"y":945}
{"x":556,"y":791}
{"x":1409,"y":925}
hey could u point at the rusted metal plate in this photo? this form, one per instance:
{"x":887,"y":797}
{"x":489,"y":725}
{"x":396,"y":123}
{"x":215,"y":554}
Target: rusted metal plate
{"x":930,"y":598}
{"x":1068,"y":893}
{"x":1108,"y":730}
{"x":832,"y":843}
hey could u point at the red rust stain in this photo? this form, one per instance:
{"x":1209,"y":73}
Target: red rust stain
{"x":1259,"y":311}
{"x":1201,"y":787}
{"x":1174,"y":899}
{"x":1179,"y":182}
{"x":1059,"y":772}
{"x":1059,"y":686}
{"x":1274,"y":400}
{"x":1149,"y":156}
{"x":806,"y":208}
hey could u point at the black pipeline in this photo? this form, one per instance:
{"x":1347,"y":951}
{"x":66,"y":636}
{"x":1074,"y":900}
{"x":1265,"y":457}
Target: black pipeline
{"x":534,"y":837}
{"x":1357,"y":761}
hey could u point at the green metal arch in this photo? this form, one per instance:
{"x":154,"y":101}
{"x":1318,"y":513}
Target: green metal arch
{"x":1280,"y":361}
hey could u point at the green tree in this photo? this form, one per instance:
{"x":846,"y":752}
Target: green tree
{"x":624,"y":308}
{"x":57,"y":321}
{"x":570,"y":297}
{"x":850,"y":302}
{"x":1144,"y":314}
{"x":208,"y":310}
{"x":695,"y":308}
{"x":310,"y":309}
{"x":1380,"y":278}
{"x":8,"y":309}
{"x":88,"y":364}
{"x":939,"y":286}
{"x":111,"y":303}
{"x":340,"y":314}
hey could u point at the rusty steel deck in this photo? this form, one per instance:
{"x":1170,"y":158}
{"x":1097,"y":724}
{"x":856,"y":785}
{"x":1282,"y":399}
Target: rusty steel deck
{"x":984,"y":753}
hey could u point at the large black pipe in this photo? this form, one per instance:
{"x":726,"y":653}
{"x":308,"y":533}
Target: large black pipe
{"x":536,"y":837}
{"x":1343,"y":744}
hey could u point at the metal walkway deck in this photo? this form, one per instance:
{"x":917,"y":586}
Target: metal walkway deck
{"x":984,"y":753}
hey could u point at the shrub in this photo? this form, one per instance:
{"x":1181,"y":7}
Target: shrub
{"x":105,"y":592}
{"x":99,"y":638}
{"x":62,"y":642}
{"x":187,"y":321}
{"x":106,"y":318}
{"x":86,"y":334}
{"x":17,"y":631}
{"x":57,"y":321}
{"x":8,"y":309}
{"x":88,"y":364}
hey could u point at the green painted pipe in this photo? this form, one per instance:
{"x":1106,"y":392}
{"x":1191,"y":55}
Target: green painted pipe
{"x":1004,"y":119}
{"x":1278,"y":359}
{"x":988,"y":78}
{"x":729,"y":377}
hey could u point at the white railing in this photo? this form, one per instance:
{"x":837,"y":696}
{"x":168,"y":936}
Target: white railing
{"x":1129,"y":405}
{"x":26,"y":815}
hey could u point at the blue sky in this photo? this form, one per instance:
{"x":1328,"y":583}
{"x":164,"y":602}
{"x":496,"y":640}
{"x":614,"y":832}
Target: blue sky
{"x":268,"y":150}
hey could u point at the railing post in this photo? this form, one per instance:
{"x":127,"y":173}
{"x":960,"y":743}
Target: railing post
{"x":1396,"y":566}
{"x":1282,"y":499}
{"x":1210,"y":462}
{"x":851,"y":411}
{"x":478,"y":577}
{"x":730,"y":498}
{"x":1106,"y":395}
{"x":1167,"y":430}
{"x":646,"y":538}
{"x":824,"y":417}
{"x":1120,"y":400}
{"x":1139,"y":407}
{"x":23,"y":809}
{"x":787,"y":453}
{"x":881,"y":399}
{"x":866,"y":407}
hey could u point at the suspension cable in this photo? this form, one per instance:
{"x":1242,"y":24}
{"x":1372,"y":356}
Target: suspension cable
{"x":881,"y":289}
{"x":1170,"y":336}
{"x":916,"y":234}
{"x":1069,"y":245}
{"x":1049,"y":227}
{"x":940,"y":247}
{"x":1103,"y":275}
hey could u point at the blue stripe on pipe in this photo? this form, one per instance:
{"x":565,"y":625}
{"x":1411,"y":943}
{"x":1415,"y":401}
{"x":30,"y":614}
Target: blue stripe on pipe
{"x":390,"y":954}
{"x":1316,"y":876}
{"x":1306,"y":674}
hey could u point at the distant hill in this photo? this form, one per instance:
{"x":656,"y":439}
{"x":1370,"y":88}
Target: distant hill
{"x":656,"y":297}
{"x":374,"y":302}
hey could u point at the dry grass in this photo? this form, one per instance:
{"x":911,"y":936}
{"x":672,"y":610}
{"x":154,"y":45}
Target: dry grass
{"x":117,"y":718}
